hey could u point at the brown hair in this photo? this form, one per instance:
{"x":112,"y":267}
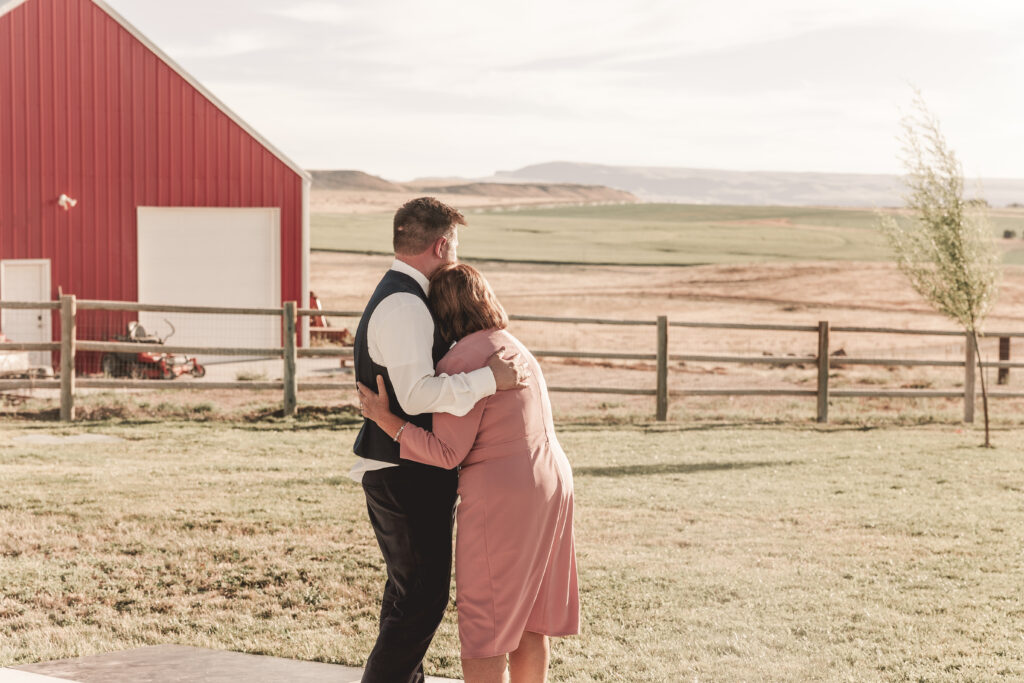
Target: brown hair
{"x":419,"y":222}
{"x":463,"y":302}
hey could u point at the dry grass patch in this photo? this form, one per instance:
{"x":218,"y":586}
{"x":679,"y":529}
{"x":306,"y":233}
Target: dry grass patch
{"x":325,"y":408}
{"x":706,"y":552}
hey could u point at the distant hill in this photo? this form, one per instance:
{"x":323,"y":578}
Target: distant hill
{"x":352,"y":180}
{"x":751,"y":188}
{"x":502,"y":192}
{"x":555,"y":191}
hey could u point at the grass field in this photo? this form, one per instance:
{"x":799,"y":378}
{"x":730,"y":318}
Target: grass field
{"x":667,"y":234}
{"x":706,"y":553}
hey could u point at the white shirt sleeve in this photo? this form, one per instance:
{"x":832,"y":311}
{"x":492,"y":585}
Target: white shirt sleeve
{"x":400,"y":336}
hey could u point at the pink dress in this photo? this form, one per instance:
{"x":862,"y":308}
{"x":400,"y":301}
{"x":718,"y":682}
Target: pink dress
{"x":515,"y":559}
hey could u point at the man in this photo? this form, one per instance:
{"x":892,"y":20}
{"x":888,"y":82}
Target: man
{"x":411,"y":506}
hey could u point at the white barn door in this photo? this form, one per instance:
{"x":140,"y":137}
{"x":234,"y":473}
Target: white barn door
{"x":211,"y":257}
{"x":27,"y":280}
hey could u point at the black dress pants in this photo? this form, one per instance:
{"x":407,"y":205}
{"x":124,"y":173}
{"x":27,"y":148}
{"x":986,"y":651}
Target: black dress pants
{"x":412,"y":511}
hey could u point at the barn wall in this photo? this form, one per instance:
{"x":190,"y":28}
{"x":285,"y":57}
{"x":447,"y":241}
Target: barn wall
{"x":88,"y":110}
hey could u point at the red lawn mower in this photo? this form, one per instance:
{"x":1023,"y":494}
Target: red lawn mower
{"x":148,"y":364}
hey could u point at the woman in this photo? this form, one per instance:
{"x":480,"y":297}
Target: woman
{"x":515,"y":561}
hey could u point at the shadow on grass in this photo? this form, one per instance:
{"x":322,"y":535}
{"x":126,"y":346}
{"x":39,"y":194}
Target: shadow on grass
{"x":646,"y":426}
{"x":307,"y":417}
{"x":43,"y":415}
{"x":318,"y":416}
{"x":677,"y":468}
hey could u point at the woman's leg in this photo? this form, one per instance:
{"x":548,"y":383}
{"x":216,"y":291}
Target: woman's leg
{"x":529,"y":662}
{"x":485,"y":670}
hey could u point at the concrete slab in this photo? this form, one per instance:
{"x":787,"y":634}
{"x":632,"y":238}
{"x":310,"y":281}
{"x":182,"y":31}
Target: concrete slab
{"x":181,"y":664}
{"x":15,"y":676}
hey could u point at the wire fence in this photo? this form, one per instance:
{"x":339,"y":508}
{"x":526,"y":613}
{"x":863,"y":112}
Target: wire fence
{"x":128,"y":345}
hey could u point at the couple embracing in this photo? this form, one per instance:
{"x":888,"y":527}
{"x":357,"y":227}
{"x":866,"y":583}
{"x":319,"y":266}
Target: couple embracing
{"x":457,"y":410}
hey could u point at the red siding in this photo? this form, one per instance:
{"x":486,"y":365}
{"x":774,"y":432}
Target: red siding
{"x":88,"y":110}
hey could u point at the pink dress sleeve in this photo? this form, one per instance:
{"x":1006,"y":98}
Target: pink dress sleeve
{"x":450,"y":442}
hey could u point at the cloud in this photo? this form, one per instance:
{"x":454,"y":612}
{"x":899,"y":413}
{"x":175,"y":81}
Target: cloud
{"x":316,"y":13}
{"x":407,"y":88}
{"x":229,"y":43}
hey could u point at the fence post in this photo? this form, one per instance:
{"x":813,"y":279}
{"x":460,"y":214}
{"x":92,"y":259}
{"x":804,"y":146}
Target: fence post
{"x":823,"y":367}
{"x":67,"y":357}
{"x":662,"y":391}
{"x":969,"y":363}
{"x":1004,"y":355}
{"x":290,"y":355}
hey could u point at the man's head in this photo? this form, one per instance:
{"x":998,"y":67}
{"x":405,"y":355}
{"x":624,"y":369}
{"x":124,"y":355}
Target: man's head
{"x":426,"y":230}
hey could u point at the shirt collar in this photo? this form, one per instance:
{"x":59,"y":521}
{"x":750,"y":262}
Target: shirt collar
{"x":420,"y":278}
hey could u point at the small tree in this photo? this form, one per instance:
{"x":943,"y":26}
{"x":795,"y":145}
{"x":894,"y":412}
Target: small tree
{"x":948,"y":248}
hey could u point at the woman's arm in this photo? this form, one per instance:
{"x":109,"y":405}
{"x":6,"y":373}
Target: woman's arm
{"x":447,"y":446}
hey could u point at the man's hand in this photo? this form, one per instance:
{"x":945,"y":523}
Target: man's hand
{"x":509,"y":373}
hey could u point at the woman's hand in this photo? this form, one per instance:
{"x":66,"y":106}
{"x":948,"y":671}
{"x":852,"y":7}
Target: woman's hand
{"x":374,"y":406}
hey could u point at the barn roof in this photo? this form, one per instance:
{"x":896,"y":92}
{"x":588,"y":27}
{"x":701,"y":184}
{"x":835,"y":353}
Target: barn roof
{"x":4,"y":9}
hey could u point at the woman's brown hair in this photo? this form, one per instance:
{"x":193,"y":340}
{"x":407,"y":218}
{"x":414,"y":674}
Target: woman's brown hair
{"x":463,"y":302}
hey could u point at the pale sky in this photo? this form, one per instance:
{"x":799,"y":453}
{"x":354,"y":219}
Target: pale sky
{"x":403,"y":89}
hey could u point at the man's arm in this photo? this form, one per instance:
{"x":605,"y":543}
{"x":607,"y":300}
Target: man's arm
{"x":401,"y":338}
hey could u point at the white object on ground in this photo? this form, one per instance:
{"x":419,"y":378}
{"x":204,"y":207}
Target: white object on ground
{"x":14,"y":361}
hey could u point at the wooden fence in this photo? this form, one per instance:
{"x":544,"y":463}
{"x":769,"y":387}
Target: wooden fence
{"x":68,"y":306}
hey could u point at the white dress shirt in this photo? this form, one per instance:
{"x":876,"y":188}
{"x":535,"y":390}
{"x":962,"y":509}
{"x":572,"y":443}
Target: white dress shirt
{"x":400,"y":336}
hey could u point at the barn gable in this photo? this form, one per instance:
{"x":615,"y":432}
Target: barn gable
{"x":152,"y":47}
{"x":90,"y":108}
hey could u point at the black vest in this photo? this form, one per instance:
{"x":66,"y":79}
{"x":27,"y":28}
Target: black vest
{"x":372,"y":441}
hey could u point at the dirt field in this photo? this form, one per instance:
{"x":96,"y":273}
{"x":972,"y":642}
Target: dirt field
{"x":801,"y":293}
{"x":851,"y":294}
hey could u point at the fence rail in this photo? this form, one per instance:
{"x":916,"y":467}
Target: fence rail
{"x":137,"y":347}
{"x":97,"y":305}
{"x":68,"y":306}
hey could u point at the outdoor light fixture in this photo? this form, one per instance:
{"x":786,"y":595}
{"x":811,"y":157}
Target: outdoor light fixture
{"x":65,"y":202}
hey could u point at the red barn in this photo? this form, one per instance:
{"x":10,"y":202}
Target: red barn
{"x":122,"y":178}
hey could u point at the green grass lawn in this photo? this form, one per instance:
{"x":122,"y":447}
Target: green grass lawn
{"x":673,"y":234}
{"x":710,"y":552}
